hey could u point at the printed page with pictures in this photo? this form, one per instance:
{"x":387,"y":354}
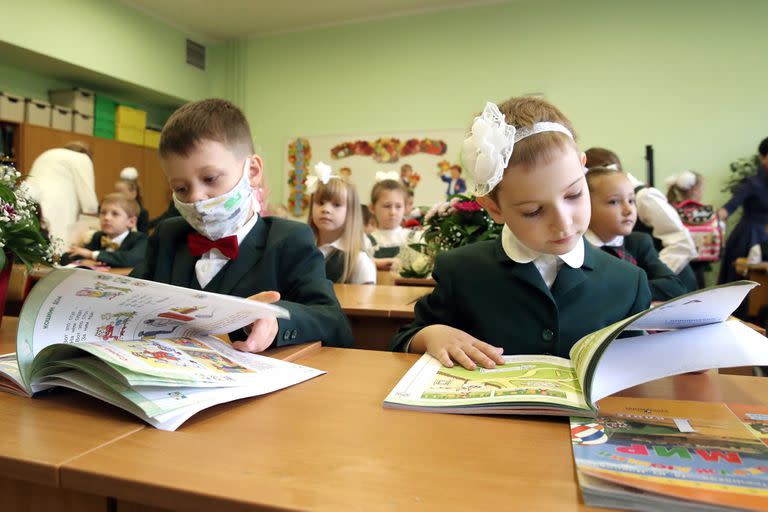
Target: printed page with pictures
{"x":76,"y":305}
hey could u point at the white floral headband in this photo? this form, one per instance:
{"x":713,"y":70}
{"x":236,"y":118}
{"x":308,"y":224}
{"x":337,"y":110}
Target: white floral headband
{"x":686,"y":180}
{"x":387,"y":175}
{"x":322,"y":173}
{"x":488,"y":147}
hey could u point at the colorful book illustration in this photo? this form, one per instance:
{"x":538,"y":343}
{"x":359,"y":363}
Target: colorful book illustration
{"x":647,"y":454}
{"x":686,"y":334}
{"x":143,"y":346}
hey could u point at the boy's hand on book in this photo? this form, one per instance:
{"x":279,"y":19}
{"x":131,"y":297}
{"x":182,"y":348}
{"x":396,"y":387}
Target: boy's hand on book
{"x":448,"y":344}
{"x":80,"y":251}
{"x":263,"y":330}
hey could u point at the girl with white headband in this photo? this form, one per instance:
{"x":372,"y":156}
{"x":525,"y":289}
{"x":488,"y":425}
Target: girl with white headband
{"x":336,"y":220}
{"x":538,"y":288}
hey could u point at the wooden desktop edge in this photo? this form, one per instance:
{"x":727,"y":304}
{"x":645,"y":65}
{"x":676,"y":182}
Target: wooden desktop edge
{"x":292,"y":353}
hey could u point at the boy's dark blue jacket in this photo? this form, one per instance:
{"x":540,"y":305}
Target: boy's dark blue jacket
{"x":277,"y":255}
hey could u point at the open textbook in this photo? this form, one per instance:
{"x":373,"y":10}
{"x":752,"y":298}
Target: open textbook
{"x":648,"y":454}
{"x":143,"y":346}
{"x":686,"y":334}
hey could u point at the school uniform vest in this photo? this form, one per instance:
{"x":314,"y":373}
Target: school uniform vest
{"x":334,"y":266}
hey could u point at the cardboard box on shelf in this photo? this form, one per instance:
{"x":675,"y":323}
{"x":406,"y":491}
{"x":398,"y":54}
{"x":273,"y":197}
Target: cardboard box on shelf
{"x":77,"y":99}
{"x":11,"y":107}
{"x":37,"y":112}
{"x":82,"y":123}
{"x":61,"y":118}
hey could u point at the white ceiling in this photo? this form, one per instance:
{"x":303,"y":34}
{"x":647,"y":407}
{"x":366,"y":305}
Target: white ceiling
{"x":220,"y":20}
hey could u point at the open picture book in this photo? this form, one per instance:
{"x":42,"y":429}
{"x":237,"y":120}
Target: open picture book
{"x":142,"y":346}
{"x":689,"y":333}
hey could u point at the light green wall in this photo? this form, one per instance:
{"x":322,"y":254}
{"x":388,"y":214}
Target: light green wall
{"x":685,"y":76}
{"x":107,"y":37}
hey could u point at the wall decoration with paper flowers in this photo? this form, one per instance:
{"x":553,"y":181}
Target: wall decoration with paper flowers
{"x":388,"y":149}
{"x":299,"y":155}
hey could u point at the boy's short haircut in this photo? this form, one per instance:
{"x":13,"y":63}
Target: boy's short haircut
{"x":122,"y":201}
{"x":211,"y":119}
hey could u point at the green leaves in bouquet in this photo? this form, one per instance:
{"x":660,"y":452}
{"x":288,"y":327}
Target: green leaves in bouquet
{"x":20,"y":233}
{"x":458,"y":222}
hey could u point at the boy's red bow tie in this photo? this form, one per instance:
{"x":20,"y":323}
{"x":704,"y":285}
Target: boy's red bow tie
{"x":199,"y":245}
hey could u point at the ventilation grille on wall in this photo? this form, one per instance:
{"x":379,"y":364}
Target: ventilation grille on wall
{"x":195,"y":54}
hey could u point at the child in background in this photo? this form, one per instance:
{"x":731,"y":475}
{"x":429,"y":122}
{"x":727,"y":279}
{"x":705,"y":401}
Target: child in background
{"x":388,"y":207}
{"x":128,"y":184}
{"x":656,"y":217}
{"x":369,"y":221}
{"x":538,"y":288}
{"x":614,"y":214}
{"x":687,"y":189}
{"x":115,"y":244}
{"x":456,"y":185}
{"x":222,"y":244}
{"x":336,"y":221}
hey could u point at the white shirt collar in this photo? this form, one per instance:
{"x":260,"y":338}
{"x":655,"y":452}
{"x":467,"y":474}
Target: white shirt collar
{"x":519,"y":253}
{"x":121,"y":237}
{"x":327,"y":249}
{"x":598,"y":242}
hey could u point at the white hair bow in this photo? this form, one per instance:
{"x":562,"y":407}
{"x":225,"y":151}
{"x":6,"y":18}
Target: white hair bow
{"x":487,"y":149}
{"x":129,"y":173}
{"x":387,"y":175}
{"x":322,"y":173}
{"x":684,"y":181}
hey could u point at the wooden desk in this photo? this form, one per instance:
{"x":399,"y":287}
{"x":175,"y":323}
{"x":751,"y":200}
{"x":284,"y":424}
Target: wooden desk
{"x":40,"y":271}
{"x":377,"y":312}
{"x":328,"y":444}
{"x":38,"y":435}
{"x":758,"y":272}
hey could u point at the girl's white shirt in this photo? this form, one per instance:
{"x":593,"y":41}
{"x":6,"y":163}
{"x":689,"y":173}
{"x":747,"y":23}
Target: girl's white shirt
{"x":396,"y":237}
{"x":548,"y":265}
{"x":364,"y":271}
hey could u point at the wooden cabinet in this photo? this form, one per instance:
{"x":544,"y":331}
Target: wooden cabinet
{"x":109,"y":158}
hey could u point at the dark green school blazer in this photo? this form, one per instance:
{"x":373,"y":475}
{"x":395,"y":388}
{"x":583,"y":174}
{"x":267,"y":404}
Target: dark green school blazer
{"x":664,"y":283}
{"x":481,"y":291}
{"x":129,"y":254}
{"x":277,"y":255}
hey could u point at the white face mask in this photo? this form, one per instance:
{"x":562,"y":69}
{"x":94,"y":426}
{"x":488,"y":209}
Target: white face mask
{"x":222,"y":215}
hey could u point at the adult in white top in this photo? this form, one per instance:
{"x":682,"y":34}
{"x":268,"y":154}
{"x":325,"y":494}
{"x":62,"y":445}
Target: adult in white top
{"x":62,"y":181}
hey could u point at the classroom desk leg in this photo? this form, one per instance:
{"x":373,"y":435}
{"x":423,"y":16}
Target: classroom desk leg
{"x":375,"y":333}
{"x":19,"y":496}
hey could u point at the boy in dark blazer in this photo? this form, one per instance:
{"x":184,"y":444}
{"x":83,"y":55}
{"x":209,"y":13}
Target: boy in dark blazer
{"x":115,"y":244}
{"x":221,"y":244}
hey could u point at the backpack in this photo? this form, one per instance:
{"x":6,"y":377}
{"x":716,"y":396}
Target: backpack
{"x":702,"y":223}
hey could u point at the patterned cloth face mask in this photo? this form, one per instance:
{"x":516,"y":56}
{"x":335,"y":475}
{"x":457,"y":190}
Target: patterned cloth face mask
{"x":222,"y":215}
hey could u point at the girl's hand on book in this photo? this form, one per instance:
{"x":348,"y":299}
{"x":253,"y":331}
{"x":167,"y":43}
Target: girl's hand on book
{"x":263,"y":330}
{"x":448,"y":344}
